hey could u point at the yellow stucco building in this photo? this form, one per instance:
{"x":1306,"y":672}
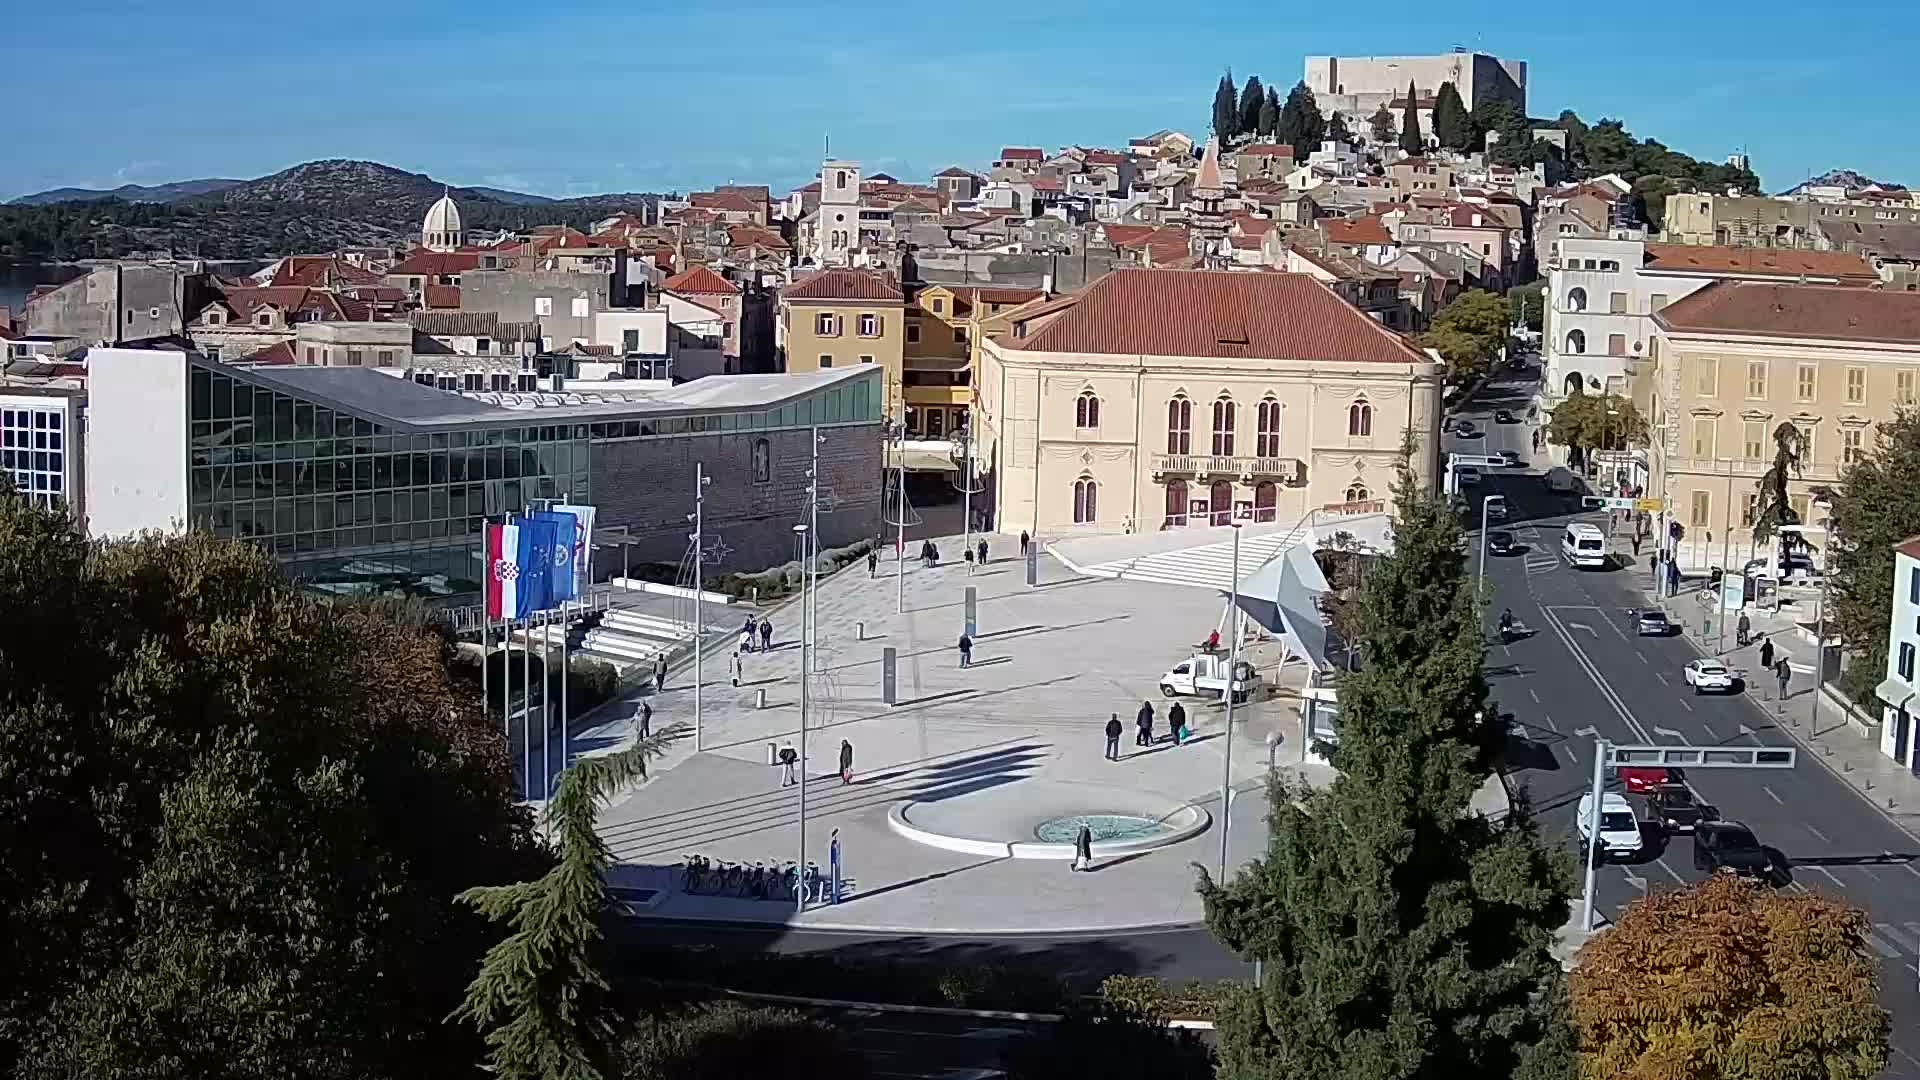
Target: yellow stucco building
{"x":842,"y":318}
{"x":1159,"y":399}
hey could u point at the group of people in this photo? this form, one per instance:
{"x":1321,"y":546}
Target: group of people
{"x":1143,"y":728}
{"x":760,"y":630}
{"x":790,"y":764}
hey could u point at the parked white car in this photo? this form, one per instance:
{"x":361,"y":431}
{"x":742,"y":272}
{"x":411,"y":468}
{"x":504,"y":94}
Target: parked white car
{"x":1704,"y":675}
{"x":1619,"y":826}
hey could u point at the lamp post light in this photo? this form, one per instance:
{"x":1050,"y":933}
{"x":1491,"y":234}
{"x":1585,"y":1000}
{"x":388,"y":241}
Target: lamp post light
{"x":1480,"y":573}
{"x":1233,"y":669}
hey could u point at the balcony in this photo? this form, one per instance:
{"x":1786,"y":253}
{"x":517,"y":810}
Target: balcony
{"x":1290,"y":471}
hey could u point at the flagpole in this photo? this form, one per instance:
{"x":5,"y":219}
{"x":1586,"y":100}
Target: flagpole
{"x":546,"y":706}
{"x":566,"y":631}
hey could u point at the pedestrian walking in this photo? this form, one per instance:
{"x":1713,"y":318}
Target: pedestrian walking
{"x":1743,"y":632}
{"x":1766,"y":653}
{"x":1143,"y":720}
{"x":1025,"y":542}
{"x":1636,"y":543}
{"x":1177,"y":723}
{"x":1782,"y":672}
{"x":983,"y":553}
{"x":873,"y":564}
{"x":788,"y":762}
{"x":766,"y":634}
{"x":1113,"y":737}
{"x":643,"y":720}
{"x":660,"y":669}
{"x":846,"y":762}
{"x":746,"y":641}
{"x":967,"y":554}
{"x":733,"y":667}
{"x":1673,"y":578}
{"x":966,"y":649}
{"x":1083,"y":848}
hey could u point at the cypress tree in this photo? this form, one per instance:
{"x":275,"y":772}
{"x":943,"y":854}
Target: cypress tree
{"x":1403,"y":935}
{"x":1270,"y":112}
{"x":1452,"y":127}
{"x":1300,"y":123}
{"x":1384,"y":130}
{"x":1252,"y":96}
{"x":1337,"y":129}
{"x":1226,"y":109}
{"x":1410,"y":138}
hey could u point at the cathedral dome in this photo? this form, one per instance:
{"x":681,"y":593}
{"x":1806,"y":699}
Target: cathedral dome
{"x":442,"y":229}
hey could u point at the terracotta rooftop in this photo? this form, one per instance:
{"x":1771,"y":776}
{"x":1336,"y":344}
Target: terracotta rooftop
{"x":428,"y":263}
{"x":1792,"y":310}
{"x":724,"y":200}
{"x":1210,"y":313}
{"x":1360,"y":230}
{"x":278,"y":353}
{"x":442,"y":296}
{"x":954,"y":170}
{"x":1021,"y":153}
{"x":1785,"y":262}
{"x":1910,"y":547}
{"x":321,"y":271}
{"x":699,"y":281}
{"x":843,"y":285}
{"x":1266,"y":149}
{"x":1105,"y":157}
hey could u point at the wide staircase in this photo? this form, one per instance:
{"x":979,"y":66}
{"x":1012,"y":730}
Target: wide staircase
{"x":1207,"y":565}
{"x":628,"y":638}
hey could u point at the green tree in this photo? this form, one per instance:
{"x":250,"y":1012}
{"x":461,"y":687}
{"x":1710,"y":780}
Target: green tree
{"x":1300,"y":125}
{"x":236,"y":817}
{"x":1110,"y":1041}
{"x":1469,"y":333}
{"x":1411,"y":140}
{"x":1775,"y":506}
{"x":1451,"y":126}
{"x":1586,"y":422}
{"x":1875,"y":506}
{"x":726,"y":1040}
{"x":1727,"y":978}
{"x":1527,"y":306}
{"x":1270,"y":112}
{"x":1337,"y":129}
{"x":1226,"y":109}
{"x":1252,"y":97}
{"x":541,"y":995}
{"x":1384,"y":130}
{"x":1403,"y":934}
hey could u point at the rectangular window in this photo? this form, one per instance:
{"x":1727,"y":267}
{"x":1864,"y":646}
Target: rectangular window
{"x":1617,"y":304}
{"x":1756,"y":380}
{"x":1850,"y":445}
{"x":913,"y":334}
{"x":1903,"y":386}
{"x":1913,"y":586}
{"x":1856,"y":385}
{"x":826,"y":361}
{"x":581,"y":308}
{"x":1703,"y":436}
{"x":960,"y":336}
{"x":1804,"y":382}
{"x":1800,"y":507}
{"x":1616,"y":344}
{"x":386,"y":357}
{"x":869,"y":325}
{"x":1749,"y":509}
{"x":1708,"y":371}
{"x":1700,"y":510}
{"x":1806,"y":448}
{"x":866,"y":359}
{"x":1906,"y":660}
{"x":1755,"y":432}
{"x":1657,"y":301}
{"x":355,"y":357}
{"x":543,"y":305}
{"x":629,"y":341}
{"x":823,"y":324}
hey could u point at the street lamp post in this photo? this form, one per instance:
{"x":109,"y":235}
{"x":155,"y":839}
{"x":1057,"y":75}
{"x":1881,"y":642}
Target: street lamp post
{"x":1593,"y":830}
{"x":1480,"y":575}
{"x":1233,"y":669}
{"x":700,"y":482}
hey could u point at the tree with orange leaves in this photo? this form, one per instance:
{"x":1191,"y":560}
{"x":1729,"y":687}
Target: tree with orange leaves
{"x":1729,"y":979}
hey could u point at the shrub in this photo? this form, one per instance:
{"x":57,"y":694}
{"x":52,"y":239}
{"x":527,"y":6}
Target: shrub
{"x":724,"y":1040}
{"x":1110,"y":1042}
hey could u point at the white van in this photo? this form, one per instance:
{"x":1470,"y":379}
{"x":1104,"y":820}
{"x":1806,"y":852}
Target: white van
{"x":1619,"y":828}
{"x":1584,"y":545}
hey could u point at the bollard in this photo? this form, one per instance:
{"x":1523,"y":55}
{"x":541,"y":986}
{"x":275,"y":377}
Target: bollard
{"x":773,"y":753}
{"x":760,"y":702}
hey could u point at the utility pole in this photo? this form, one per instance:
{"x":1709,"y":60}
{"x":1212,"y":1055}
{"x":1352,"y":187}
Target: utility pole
{"x":1233,"y":669}
{"x":1593,"y":830}
{"x":810,"y":547}
{"x":700,"y":481}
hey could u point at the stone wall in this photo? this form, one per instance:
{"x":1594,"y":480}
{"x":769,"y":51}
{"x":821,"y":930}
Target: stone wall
{"x":955,"y":266}
{"x":647,"y":485}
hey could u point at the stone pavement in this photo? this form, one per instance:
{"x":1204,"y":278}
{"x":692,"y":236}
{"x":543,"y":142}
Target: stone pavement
{"x":1051,"y":663}
{"x":1836,"y":736}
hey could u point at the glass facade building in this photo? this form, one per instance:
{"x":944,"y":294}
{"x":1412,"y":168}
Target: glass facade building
{"x":349,"y":498}
{"x":33,"y":450}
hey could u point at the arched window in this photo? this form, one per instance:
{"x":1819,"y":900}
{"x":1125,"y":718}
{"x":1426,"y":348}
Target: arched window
{"x":1179,"y":426}
{"x":1576,"y":341}
{"x":1266,"y":499}
{"x":1085,"y":494}
{"x":1176,"y":503}
{"x":1223,"y":427}
{"x":1086,"y":410}
{"x":1266,"y":442}
{"x":1575,"y":384}
{"x":1360,"y":418}
{"x":1576,"y":299}
{"x":1357,"y":492}
{"x":1220,"y":503}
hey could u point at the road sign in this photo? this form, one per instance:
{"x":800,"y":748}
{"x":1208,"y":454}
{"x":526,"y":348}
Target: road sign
{"x":1704,"y":757}
{"x":1649,"y":506}
{"x":1602,"y":502}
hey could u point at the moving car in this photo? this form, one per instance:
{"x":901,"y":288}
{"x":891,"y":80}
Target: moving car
{"x":1496,"y":507}
{"x":1583,"y":545}
{"x":1641,"y":779}
{"x":1619,"y":828}
{"x":1447,"y":423}
{"x":1652,"y":622}
{"x":1504,"y":416}
{"x":1510,"y":458}
{"x":1730,"y":847}
{"x":1674,"y":806}
{"x":1206,"y":673}
{"x":1561,"y":481}
{"x":1465,"y":429}
{"x":1704,"y":675}
{"x":1500,"y":542}
{"x":1467,"y":475}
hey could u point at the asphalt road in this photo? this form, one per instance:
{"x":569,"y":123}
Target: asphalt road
{"x":1583,"y":673}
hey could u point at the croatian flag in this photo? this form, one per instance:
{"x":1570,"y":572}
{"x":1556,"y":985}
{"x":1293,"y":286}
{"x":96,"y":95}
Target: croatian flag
{"x":582,"y":544}
{"x":560,"y":574}
{"x":510,"y":563}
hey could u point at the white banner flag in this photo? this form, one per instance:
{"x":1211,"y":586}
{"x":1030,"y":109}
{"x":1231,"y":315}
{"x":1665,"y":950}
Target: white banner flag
{"x":582,"y":544}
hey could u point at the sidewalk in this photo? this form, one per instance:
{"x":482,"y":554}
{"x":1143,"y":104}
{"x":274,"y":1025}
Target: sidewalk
{"x":1845,"y":741}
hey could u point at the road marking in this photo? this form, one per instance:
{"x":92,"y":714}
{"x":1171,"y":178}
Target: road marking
{"x":1583,"y":626}
{"x":1570,"y":754}
{"x":1548,"y":717}
{"x":1657,"y":675}
{"x":1912,"y":869}
{"x":1895,"y":935}
{"x":1662,"y":864}
{"x":1684,"y":705}
{"x":1828,"y":874}
{"x":1710,"y":732}
{"x":1637,"y":882}
{"x":1668,"y":733}
{"x":1593,"y":673}
{"x":1588,"y":731}
{"x":1751,"y":734}
{"x":1881,"y":946}
{"x":1778,"y":801}
{"x":1816,"y":832}
{"x":1532,"y":694}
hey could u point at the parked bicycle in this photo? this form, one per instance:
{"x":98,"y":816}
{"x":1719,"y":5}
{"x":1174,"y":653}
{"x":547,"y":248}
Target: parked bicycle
{"x":701,"y":876}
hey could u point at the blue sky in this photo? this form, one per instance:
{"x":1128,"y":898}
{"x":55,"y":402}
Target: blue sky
{"x":582,"y":97}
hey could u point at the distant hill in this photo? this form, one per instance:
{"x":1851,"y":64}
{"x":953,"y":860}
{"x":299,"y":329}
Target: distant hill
{"x":158,"y":193}
{"x":1846,"y":178}
{"x":315,"y":206}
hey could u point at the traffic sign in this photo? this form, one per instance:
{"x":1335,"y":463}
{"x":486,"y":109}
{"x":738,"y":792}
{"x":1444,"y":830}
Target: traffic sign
{"x":1602,"y":502}
{"x":1649,"y":506}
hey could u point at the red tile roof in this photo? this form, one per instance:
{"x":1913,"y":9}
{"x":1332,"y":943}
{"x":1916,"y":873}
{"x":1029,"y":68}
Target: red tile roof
{"x":1267,"y":150}
{"x":1021,"y":153}
{"x":745,"y":235}
{"x":321,"y":272}
{"x":1128,"y":235}
{"x":280,"y":352}
{"x":1105,"y":157}
{"x":1005,"y":294}
{"x":955,"y":170}
{"x":724,"y":200}
{"x":442,"y":296}
{"x":1785,"y":262}
{"x":844,"y":285}
{"x":1780,"y":309}
{"x":1360,"y":230}
{"x":699,"y":281}
{"x":1212,"y":313}
{"x":1045,"y":183}
{"x":435,"y":263}
{"x":1910,"y":547}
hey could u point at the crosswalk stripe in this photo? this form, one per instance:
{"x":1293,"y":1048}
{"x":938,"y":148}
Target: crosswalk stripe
{"x":1881,"y":946}
{"x":1899,"y":938}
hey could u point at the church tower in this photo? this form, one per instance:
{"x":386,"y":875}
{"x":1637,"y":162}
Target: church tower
{"x":839,"y":212}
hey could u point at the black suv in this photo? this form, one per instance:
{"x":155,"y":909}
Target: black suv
{"x":1675,"y":807}
{"x":1731,"y":847}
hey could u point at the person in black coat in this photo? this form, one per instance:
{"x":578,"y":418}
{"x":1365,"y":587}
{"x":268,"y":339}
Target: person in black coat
{"x":1143,"y":721}
{"x":966,"y":649}
{"x":1177,"y":723}
{"x":1083,"y":848}
{"x":1113,"y":737}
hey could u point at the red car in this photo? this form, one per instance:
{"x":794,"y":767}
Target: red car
{"x":1641,"y":779}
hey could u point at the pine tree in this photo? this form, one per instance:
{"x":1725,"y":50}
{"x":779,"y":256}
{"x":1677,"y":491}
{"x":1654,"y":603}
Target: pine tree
{"x":1270,"y":113}
{"x":1226,"y":107}
{"x":1452,"y":127}
{"x":1403,"y":935}
{"x":1384,"y":130}
{"x":541,"y":996}
{"x":1410,"y":138}
{"x":1252,"y":96}
{"x":1300,"y":124}
{"x":1337,"y":129}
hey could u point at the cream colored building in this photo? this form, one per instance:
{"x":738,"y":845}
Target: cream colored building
{"x":1191,"y":399}
{"x":1732,"y":362}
